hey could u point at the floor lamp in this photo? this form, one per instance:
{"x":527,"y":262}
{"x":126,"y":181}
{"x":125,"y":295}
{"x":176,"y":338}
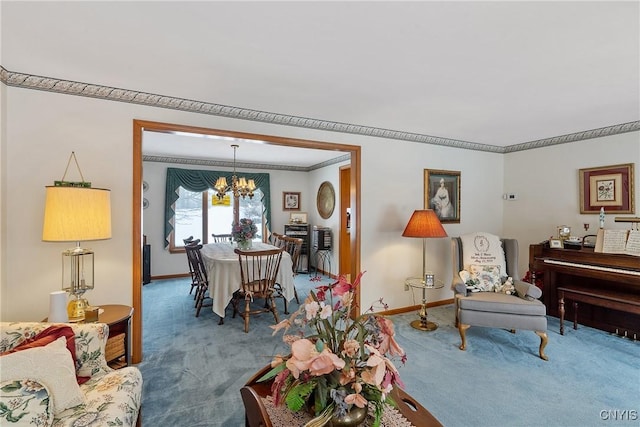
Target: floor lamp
{"x":424,"y":224}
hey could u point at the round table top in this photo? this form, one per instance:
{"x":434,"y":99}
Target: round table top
{"x":418,"y":282}
{"x":113,"y":313}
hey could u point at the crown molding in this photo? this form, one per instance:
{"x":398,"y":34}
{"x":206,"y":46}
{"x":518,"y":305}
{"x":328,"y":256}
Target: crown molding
{"x":68,"y":87}
{"x":242,"y":165}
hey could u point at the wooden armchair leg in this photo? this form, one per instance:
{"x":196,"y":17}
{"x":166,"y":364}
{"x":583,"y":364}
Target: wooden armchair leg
{"x":543,"y":343}
{"x":462,"y":328}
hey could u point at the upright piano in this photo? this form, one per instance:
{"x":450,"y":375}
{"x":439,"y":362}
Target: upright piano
{"x":600,"y":275}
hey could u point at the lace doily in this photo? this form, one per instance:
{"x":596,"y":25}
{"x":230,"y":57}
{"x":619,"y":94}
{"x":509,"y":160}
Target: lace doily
{"x":281,"y":416}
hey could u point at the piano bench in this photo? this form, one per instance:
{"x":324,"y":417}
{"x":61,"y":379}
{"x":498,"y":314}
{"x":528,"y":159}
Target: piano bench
{"x":614,"y":300}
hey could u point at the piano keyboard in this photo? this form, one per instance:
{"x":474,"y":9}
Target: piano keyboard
{"x":593,"y":267}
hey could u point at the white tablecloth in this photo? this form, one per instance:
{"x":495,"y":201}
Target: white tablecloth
{"x":223,"y":271}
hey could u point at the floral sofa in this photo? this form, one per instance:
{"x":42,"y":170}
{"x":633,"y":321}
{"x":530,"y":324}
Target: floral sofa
{"x":47,"y":385}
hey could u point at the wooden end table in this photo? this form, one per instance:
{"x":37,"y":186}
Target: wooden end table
{"x":118,"y":317}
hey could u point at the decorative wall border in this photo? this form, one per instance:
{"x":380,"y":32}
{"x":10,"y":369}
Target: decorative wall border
{"x":68,"y":87}
{"x":245,"y":165}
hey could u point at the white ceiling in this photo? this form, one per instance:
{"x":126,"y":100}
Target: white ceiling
{"x":496,"y":73}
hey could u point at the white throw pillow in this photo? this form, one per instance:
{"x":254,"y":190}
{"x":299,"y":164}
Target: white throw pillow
{"x":50,"y":365}
{"x":482,"y":249}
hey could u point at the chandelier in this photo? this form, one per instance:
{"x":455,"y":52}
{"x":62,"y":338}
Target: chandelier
{"x":239,"y":186}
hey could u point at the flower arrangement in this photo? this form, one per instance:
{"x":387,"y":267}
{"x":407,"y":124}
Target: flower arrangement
{"x":243,"y":230}
{"x":343,"y":362}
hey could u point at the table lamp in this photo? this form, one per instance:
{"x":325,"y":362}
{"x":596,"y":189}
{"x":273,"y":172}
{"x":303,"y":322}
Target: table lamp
{"x":75,"y":212}
{"x":424,"y":224}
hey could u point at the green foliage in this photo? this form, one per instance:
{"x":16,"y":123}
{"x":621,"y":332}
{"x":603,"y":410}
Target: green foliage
{"x":298,"y":395}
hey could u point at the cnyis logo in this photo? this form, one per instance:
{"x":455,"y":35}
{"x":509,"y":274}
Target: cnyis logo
{"x":481,"y":243}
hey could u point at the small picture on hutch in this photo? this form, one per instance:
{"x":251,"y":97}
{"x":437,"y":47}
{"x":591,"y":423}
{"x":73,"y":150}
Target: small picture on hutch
{"x":290,"y":201}
{"x":298,"y":218}
{"x":556,"y":243}
{"x":442,"y":194}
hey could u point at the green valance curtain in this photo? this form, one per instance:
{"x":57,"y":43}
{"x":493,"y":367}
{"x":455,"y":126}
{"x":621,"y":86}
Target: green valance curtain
{"x":201,"y":180}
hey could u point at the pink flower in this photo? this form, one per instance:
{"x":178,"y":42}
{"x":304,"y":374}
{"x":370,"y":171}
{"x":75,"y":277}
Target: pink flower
{"x":388,"y":344}
{"x":305,"y":357}
{"x":356,"y":398}
{"x":325,"y":363}
{"x":351,"y":348}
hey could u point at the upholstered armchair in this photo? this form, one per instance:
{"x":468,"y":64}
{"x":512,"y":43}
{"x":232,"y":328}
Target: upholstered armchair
{"x":487,"y":296}
{"x":55,"y":374}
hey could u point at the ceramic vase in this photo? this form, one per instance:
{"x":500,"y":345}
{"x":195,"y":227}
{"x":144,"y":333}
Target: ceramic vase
{"x":354,"y":417}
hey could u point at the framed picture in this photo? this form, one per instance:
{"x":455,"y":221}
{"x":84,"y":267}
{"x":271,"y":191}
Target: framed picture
{"x":442,"y":194}
{"x":555,"y":243}
{"x":298,"y":218}
{"x":608,"y":187}
{"x":290,"y":201}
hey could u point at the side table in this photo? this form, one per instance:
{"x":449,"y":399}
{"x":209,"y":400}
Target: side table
{"x":118,"y":317}
{"x":417,"y":282}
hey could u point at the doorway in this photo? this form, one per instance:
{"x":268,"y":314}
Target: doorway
{"x":140,"y":126}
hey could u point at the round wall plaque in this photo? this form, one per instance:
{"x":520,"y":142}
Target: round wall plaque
{"x":326,"y":200}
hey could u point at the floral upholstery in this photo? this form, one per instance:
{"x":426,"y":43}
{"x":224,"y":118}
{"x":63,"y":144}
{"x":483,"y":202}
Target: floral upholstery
{"x":112,"y":397}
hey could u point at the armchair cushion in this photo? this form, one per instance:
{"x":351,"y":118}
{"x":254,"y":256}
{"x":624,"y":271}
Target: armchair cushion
{"x":50,"y":365}
{"x":495,"y":302}
{"x":110,"y":397}
{"x":28,"y":403}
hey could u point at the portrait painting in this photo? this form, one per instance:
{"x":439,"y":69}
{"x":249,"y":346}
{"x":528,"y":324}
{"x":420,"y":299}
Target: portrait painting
{"x":442,"y":194}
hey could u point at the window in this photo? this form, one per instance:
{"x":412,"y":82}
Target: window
{"x":191,"y":207}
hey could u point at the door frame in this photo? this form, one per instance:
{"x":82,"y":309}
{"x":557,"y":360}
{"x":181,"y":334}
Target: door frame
{"x":139,"y":126}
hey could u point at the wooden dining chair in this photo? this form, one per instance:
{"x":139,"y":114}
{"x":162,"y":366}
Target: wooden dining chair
{"x":277,"y":240}
{"x":194,"y":281}
{"x":221,"y":238}
{"x":293,"y":245}
{"x":258,"y":272}
{"x":200,"y":273}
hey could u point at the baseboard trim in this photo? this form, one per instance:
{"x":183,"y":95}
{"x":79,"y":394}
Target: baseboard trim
{"x":415,"y":307}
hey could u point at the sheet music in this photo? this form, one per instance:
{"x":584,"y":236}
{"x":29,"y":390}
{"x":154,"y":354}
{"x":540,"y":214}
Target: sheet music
{"x":633,"y":243}
{"x":614,"y":241}
{"x":618,"y":242}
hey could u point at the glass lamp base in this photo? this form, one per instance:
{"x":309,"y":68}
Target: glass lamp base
{"x":76,"y":309}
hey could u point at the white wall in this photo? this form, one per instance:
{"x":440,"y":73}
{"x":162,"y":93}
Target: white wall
{"x":546,"y":181}
{"x":42,"y":128}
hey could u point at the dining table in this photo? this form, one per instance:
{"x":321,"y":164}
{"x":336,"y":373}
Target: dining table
{"x":223,"y":272}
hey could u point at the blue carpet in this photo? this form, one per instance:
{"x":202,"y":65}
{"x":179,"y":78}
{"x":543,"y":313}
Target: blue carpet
{"x":193,"y":368}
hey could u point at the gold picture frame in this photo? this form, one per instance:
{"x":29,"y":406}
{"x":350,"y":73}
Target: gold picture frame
{"x":442,"y":194}
{"x":608,"y":187}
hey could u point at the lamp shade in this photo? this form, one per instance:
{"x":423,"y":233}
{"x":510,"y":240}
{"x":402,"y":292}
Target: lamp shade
{"x":76,"y":214}
{"x":424,"y":223}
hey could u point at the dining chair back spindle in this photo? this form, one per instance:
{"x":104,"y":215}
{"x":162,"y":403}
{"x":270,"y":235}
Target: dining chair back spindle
{"x":258,"y":273}
{"x":221,"y":238}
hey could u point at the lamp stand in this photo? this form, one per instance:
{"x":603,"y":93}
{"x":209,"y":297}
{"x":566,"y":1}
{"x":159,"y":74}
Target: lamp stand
{"x":77,"y":274}
{"x":423,"y":324}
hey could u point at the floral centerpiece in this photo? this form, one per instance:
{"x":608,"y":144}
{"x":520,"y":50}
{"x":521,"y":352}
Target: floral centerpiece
{"x":243,"y":232}
{"x":343,"y":364}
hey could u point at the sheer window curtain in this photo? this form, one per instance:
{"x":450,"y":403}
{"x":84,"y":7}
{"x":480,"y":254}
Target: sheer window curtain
{"x":201,"y":180}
